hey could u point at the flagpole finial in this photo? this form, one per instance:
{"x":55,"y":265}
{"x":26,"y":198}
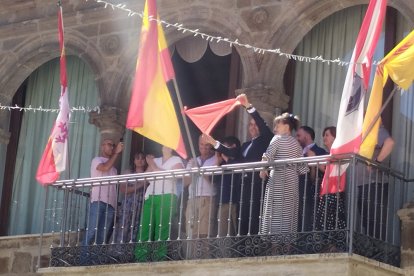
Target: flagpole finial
{"x":59,"y":3}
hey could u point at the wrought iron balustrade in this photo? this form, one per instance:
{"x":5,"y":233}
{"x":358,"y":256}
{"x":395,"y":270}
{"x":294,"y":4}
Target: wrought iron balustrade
{"x":370,"y":226}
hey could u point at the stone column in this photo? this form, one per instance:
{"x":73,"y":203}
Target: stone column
{"x":4,"y":120}
{"x":407,"y":237}
{"x":4,"y":136}
{"x":266,"y":100}
{"x":110,"y":121}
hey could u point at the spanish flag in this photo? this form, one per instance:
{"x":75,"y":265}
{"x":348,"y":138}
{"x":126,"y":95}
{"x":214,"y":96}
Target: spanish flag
{"x":151,"y":110}
{"x":399,"y":66}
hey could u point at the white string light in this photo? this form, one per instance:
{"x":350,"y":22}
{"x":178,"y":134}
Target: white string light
{"x":196,"y":32}
{"x":53,"y":110}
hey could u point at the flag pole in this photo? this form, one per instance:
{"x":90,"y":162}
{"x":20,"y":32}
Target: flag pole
{"x":60,"y":7}
{"x":371,"y":125}
{"x":187,"y":130}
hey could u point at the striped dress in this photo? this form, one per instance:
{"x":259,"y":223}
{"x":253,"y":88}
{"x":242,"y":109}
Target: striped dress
{"x":281,"y":203}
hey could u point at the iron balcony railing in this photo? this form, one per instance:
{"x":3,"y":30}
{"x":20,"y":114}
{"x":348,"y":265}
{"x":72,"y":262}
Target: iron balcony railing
{"x":245,"y":217}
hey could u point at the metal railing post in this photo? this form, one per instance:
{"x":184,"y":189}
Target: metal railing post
{"x":226,"y":243}
{"x":351,"y":214}
{"x":42,"y":228}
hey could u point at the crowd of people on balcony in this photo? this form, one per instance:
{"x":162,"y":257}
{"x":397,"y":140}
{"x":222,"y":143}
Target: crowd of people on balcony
{"x":270,"y":201}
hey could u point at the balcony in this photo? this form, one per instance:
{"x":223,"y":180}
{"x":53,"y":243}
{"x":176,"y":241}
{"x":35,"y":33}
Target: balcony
{"x":371,"y":229}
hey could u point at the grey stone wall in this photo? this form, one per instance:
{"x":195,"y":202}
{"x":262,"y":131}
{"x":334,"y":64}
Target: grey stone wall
{"x":406,"y":216}
{"x":108,"y":39}
{"x":19,"y":254}
{"x":300,"y":265}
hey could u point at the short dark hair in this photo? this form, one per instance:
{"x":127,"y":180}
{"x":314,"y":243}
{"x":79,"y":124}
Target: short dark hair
{"x":332,"y":130}
{"x":309,"y":130}
{"x":232,"y":140}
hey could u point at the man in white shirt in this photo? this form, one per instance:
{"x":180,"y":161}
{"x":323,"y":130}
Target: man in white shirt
{"x":201,"y":209}
{"x":103,"y":197}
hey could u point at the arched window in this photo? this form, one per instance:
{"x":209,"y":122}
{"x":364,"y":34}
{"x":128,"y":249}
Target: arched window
{"x":43,"y":89}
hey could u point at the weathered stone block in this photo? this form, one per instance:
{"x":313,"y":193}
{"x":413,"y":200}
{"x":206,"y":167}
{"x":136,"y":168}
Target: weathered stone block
{"x":171,"y":4}
{"x":4,"y":134}
{"x":15,"y":30}
{"x":12,"y":43}
{"x":5,"y":244}
{"x":22,"y":262}
{"x":85,"y":5}
{"x":51,"y":23}
{"x":119,"y":25}
{"x":243,"y":3}
{"x":407,"y":239}
{"x":266,"y":2}
{"x":88,"y":30}
{"x":31,"y":241}
{"x":44,"y":262}
{"x":99,"y":14}
{"x":4,"y":265}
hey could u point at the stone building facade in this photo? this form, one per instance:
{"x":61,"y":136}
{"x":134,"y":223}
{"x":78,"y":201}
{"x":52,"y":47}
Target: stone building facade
{"x":107,"y":40}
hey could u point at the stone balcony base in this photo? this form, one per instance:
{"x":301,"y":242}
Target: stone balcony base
{"x":316,"y":264}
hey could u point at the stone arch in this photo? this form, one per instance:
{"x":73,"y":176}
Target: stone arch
{"x":300,"y":22}
{"x":218,"y":21}
{"x":36,"y":50}
{"x":213,"y":21}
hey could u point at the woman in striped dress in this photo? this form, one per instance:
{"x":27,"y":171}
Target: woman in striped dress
{"x":281,"y":203}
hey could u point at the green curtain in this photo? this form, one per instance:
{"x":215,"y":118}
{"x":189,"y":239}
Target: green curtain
{"x":318,"y":89}
{"x":318,"y":86}
{"x":44,"y":90}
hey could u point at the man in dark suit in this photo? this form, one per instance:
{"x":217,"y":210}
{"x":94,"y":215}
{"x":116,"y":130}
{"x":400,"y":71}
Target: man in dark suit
{"x":308,"y":189}
{"x":252,"y":186}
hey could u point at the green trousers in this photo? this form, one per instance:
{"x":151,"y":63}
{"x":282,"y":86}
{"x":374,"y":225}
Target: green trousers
{"x":155,"y":225}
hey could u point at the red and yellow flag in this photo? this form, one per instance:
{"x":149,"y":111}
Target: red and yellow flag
{"x":399,"y":66}
{"x":54,"y":157}
{"x":151,"y":110}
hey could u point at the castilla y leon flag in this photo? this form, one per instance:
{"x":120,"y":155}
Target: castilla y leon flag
{"x":206,"y":117}
{"x":350,"y":116}
{"x":151,"y":110}
{"x":399,"y":66}
{"x":54,"y":157}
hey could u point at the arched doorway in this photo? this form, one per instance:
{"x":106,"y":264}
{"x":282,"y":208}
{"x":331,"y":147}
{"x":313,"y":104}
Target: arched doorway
{"x":42,"y":89}
{"x":317,"y":88}
{"x":205,"y":74}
